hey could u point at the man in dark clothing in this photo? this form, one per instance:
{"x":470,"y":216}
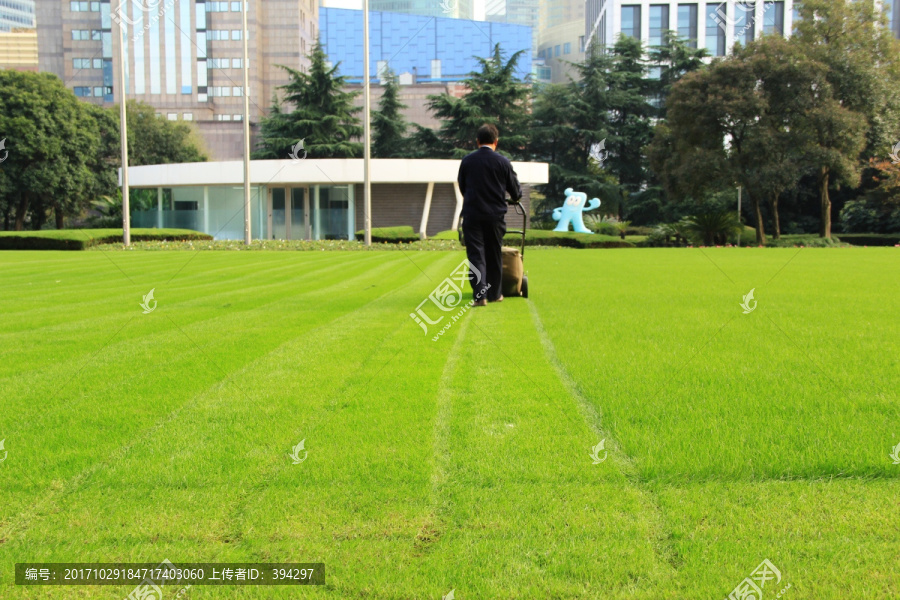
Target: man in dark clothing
{"x":485,"y":177}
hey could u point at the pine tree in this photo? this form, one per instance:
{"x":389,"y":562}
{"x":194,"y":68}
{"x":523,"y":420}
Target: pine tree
{"x":275,"y":134}
{"x":323,"y":115}
{"x":388,"y":123}
{"x":630,"y":113}
{"x":494,"y":96}
{"x":673,"y":60}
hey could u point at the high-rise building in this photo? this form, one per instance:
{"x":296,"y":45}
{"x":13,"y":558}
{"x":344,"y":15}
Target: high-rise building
{"x":560,"y":40}
{"x":418,"y":49}
{"x":515,"y":12}
{"x":717,"y":26}
{"x":183,"y":57}
{"x":892,"y":8}
{"x":456,"y":9}
{"x":16,"y":14}
{"x":19,"y":50}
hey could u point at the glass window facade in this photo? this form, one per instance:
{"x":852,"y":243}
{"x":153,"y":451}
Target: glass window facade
{"x":716,"y":24}
{"x":171,"y":65}
{"x":744,"y":22}
{"x":155,"y":51}
{"x":659,"y":23}
{"x":687,"y":23}
{"x":773,"y":18}
{"x":631,"y":21}
{"x":187,"y":79}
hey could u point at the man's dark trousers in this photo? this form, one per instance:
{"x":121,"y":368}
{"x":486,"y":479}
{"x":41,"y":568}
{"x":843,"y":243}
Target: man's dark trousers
{"x":484,"y":243}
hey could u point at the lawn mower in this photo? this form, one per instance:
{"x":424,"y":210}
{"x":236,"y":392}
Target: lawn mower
{"x":515,"y":281}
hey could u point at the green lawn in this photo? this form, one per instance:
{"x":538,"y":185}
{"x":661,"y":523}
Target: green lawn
{"x":461,"y":463}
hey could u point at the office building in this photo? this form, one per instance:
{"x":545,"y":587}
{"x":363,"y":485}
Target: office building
{"x":183,"y":57}
{"x":516,"y":12}
{"x":457,"y":9}
{"x":717,"y":26}
{"x":418,"y":49}
{"x":561,"y":40}
{"x":19,"y":50}
{"x":16,"y":15}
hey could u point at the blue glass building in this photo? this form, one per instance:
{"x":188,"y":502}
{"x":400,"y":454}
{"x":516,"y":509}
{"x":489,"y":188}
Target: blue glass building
{"x":413,"y":44}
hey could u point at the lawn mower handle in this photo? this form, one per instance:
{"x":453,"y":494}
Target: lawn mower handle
{"x":520,"y":210}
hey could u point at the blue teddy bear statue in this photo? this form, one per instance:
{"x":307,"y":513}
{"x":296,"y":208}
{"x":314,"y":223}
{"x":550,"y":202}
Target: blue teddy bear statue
{"x":573,"y":212}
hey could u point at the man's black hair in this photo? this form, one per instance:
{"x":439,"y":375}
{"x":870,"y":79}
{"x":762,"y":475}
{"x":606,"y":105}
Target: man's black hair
{"x":487,"y":134}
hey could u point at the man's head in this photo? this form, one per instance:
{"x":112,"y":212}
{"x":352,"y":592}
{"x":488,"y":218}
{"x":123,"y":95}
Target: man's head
{"x":488,"y":136}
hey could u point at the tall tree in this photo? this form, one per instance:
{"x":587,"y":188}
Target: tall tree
{"x":853,"y":40}
{"x":630,"y":112}
{"x":706,"y":144}
{"x":50,"y":138}
{"x":276,"y":134}
{"x":557,"y":139}
{"x":322,"y":115}
{"x":156,"y":141}
{"x":671,"y":61}
{"x":793,"y":86}
{"x":388,"y":123}
{"x":495,"y":95}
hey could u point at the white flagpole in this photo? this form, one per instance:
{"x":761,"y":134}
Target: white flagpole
{"x":246,"y":35}
{"x":123,"y":129}
{"x":367,"y":151}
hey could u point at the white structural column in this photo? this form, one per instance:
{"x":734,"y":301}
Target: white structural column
{"x":206,"y":209}
{"x":423,"y":227}
{"x":459,"y":203}
{"x":306,"y":208}
{"x":269,"y":213}
{"x":317,"y":221}
{"x":159,"y":208}
{"x":351,"y":211}
{"x":288,"y":205}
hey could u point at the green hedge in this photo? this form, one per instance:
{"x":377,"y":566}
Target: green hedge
{"x":543,"y":237}
{"x":870,"y":239}
{"x":390,"y":235}
{"x":569,"y":239}
{"x":80,"y":239}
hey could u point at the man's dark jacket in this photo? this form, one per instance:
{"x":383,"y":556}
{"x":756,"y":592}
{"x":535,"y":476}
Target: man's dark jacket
{"x":485,"y":177}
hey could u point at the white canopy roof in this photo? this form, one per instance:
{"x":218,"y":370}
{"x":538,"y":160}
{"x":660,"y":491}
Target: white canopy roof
{"x":314,"y":171}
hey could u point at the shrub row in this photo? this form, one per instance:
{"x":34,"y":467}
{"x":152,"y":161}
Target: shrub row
{"x":80,"y":239}
{"x":390,"y":235}
{"x":870,"y":239}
